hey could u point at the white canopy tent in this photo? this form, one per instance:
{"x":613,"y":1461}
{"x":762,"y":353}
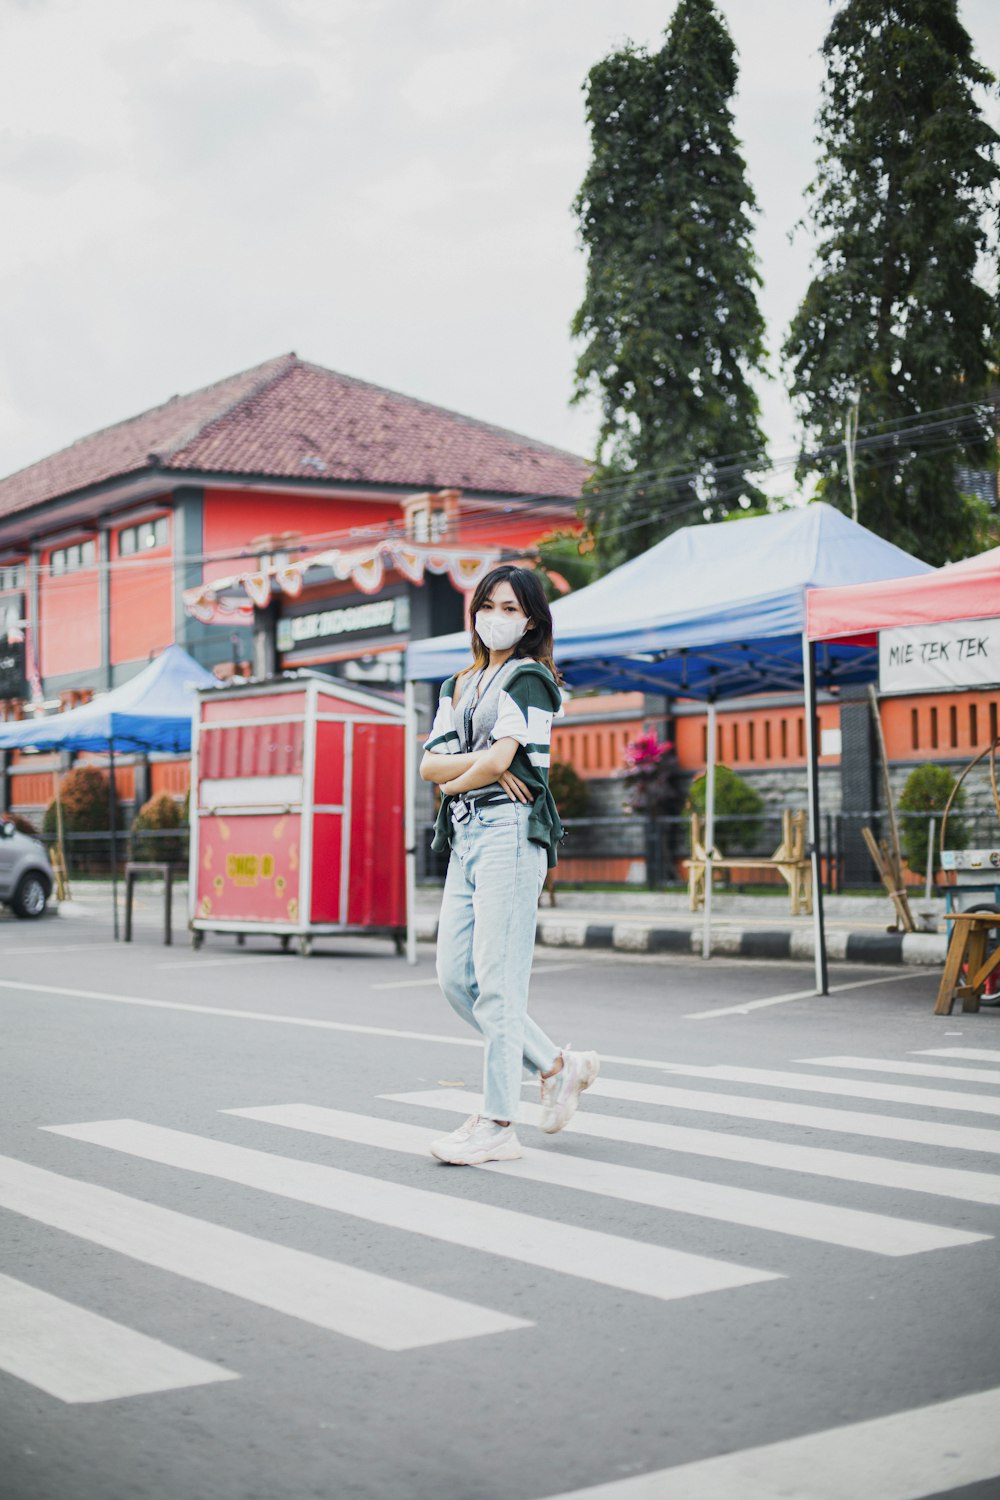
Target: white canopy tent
{"x":710,"y":613}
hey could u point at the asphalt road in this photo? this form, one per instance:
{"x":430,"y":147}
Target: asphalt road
{"x":742,"y":1272}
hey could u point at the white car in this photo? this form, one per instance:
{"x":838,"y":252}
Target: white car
{"x":26,"y":878}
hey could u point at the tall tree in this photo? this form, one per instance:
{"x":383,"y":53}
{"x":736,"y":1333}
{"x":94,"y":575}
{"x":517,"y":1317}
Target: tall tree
{"x":896,"y":322}
{"x":670,"y":317}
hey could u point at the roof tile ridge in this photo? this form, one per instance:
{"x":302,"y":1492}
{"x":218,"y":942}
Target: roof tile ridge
{"x":113,"y":427}
{"x":276,"y":370}
{"x":384,"y":390}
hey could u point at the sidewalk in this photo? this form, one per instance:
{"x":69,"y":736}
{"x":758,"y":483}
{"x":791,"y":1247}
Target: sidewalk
{"x":640,"y":922}
{"x":742,"y":926}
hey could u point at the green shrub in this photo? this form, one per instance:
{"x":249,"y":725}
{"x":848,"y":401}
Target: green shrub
{"x":86,"y":803}
{"x":735,"y":797}
{"x":569,"y":791}
{"x":154,"y":820}
{"x":926,"y":792}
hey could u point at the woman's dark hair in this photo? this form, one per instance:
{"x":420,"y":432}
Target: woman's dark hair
{"x":536,"y":642}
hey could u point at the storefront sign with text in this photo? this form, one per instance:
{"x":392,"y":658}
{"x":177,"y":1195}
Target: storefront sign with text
{"x":921,"y":658}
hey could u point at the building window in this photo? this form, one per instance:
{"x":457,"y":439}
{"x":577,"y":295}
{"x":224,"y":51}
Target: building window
{"x":704,"y":743}
{"x":719,"y":753}
{"x":934,"y":728}
{"x":736,"y":742}
{"x":585,"y":751}
{"x":13,"y":576}
{"x":751,"y":736}
{"x":767,"y":739}
{"x":800,"y":725}
{"x":953,"y":725}
{"x":973,"y":725}
{"x":143,"y":537}
{"x":72,"y":559}
{"x":784,"y":739}
{"x":993,"y":722}
{"x":914,"y":729}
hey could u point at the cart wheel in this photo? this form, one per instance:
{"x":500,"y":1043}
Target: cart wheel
{"x":197,"y":938}
{"x":305,"y":946}
{"x":399,"y":938}
{"x":285,"y":941}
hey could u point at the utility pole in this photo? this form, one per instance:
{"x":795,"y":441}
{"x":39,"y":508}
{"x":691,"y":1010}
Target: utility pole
{"x":850,"y":438}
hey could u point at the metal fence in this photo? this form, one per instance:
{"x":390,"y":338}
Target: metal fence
{"x":89,"y":854}
{"x":653,"y":847}
{"x":657,"y":846}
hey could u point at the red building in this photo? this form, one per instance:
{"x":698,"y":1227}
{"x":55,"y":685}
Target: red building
{"x":100,"y":542}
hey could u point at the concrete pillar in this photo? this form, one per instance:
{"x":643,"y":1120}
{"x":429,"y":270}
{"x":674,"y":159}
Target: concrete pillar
{"x":104,"y":599}
{"x":858,"y":780}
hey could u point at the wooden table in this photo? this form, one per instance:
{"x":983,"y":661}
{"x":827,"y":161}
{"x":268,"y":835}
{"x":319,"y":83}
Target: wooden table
{"x":789,"y":859}
{"x":967,"y":966}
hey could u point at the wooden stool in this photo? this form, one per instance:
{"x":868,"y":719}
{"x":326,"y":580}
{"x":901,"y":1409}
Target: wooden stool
{"x":967,"y":948}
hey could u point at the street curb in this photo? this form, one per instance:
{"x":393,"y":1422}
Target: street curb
{"x":917,"y":949}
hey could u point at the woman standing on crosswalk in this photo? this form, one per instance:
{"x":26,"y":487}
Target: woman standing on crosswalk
{"x":488,"y":752}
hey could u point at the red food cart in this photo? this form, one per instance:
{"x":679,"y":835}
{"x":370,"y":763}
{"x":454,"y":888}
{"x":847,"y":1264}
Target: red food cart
{"x":297,"y":811}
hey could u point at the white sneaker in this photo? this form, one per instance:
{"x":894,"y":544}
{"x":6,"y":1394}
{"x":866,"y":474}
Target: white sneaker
{"x":561,"y":1093}
{"x":457,"y":1137}
{"x":477,"y":1141}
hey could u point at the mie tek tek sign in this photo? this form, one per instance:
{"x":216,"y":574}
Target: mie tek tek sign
{"x":921,"y":658}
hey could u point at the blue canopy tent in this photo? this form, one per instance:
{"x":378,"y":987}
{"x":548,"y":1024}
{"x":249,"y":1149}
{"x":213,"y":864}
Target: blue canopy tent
{"x":714,"y":612}
{"x":152,"y":711}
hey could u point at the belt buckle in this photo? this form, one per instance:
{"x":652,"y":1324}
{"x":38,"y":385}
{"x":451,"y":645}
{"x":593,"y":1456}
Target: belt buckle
{"x":460,"y":810}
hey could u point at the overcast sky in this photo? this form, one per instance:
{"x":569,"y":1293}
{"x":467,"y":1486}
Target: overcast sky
{"x":189,"y":187}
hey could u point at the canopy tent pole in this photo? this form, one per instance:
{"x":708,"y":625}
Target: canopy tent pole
{"x":409,"y":816}
{"x":812,"y":799}
{"x":113,"y":802}
{"x":706,"y":927}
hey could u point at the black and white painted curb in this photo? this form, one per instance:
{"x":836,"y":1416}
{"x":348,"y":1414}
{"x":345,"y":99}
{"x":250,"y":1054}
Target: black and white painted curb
{"x":924,"y":949}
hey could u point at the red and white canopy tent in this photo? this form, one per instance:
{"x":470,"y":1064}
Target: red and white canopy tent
{"x":856,"y":612}
{"x":938,"y":630}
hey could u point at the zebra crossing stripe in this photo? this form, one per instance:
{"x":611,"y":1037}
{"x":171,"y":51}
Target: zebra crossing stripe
{"x":811,"y":1116}
{"x":817,"y":1161}
{"x":373,"y":1309}
{"x":853,"y":1229}
{"x":77,"y":1356}
{"x":916,"y":1070}
{"x":911,"y":1455}
{"x":626,"y":1264}
{"x":971,"y":1054}
{"x":848,"y":1088}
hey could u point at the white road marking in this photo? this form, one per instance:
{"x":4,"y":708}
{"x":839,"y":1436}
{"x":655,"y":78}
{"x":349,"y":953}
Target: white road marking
{"x":835,"y":989}
{"x":374,"y":1309}
{"x":945,"y":1182}
{"x":53,"y":950}
{"x":812,"y":1117}
{"x":825,"y":1222}
{"x":626,"y":1264}
{"x":914,"y":1070}
{"x":849,"y":1088}
{"x":269,"y":1017}
{"x":972,"y":1054}
{"x":911,"y":1455}
{"x":76,"y":1355}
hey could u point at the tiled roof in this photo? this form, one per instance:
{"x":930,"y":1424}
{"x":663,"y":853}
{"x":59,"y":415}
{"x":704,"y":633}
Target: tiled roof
{"x":286,"y":418}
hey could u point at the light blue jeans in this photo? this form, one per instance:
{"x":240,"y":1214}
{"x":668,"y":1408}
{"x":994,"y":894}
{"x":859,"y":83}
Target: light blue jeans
{"x":486,"y":942}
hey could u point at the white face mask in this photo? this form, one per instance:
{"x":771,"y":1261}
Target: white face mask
{"x":499,"y":632}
